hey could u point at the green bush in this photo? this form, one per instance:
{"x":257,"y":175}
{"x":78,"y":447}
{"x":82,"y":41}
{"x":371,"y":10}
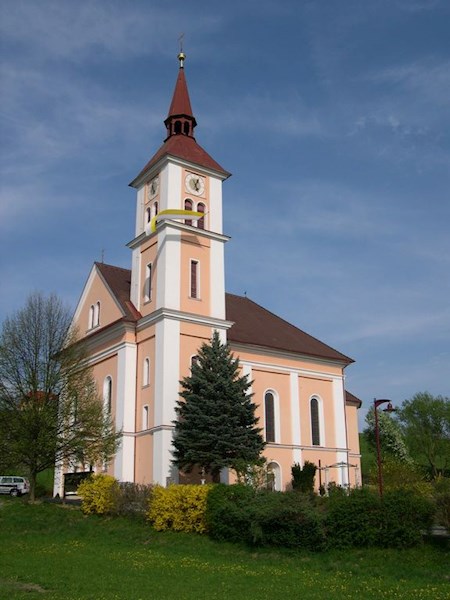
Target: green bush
{"x":237,"y":513}
{"x":406,"y":515}
{"x":303,"y":478}
{"x":99,"y":494}
{"x":364,"y":519}
{"x":179,"y":507}
{"x":287,"y":519}
{"x":227,"y":512}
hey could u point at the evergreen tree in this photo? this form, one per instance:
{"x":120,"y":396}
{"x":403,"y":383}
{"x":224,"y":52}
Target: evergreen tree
{"x":216,"y":426}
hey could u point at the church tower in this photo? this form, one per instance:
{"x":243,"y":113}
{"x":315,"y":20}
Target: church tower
{"x":177,"y":279}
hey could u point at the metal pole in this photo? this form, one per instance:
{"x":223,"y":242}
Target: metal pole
{"x":377,"y":438}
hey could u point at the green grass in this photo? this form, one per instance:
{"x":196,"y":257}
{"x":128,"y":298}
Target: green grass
{"x":55,"y":553}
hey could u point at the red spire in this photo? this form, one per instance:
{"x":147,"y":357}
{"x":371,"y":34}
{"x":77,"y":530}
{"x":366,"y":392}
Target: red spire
{"x":180,"y":120}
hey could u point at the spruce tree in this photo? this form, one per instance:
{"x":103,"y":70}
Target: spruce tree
{"x":216,"y":425}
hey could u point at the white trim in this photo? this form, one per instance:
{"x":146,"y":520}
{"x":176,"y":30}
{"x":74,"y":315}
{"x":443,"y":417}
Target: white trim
{"x":284,"y":354}
{"x":178,"y":315}
{"x":339,"y":415}
{"x":177,"y":225}
{"x":167,"y":376}
{"x":215,"y":205}
{"x":135,"y":296}
{"x":217,"y":279}
{"x":276,"y":368}
{"x":126,"y":411}
{"x":168,"y":271}
{"x":295,"y":416}
{"x":84,"y":294}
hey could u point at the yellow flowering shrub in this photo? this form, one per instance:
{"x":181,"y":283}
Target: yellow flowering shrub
{"x":179,"y":508}
{"x":98,"y":494}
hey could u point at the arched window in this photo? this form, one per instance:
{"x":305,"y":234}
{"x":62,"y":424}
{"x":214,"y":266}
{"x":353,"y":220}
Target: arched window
{"x":146,"y":372}
{"x":155,"y":209}
{"x":186,"y":128}
{"x":91,"y":317}
{"x":177,"y":126}
{"x":148,"y":283}
{"x":269,"y":416}
{"x":148,"y":214}
{"x":274,"y":476}
{"x":194,"y":360}
{"x":145,"y":417}
{"x":315,"y":422}
{"x":188,"y":206}
{"x":201,"y":209}
{"x":194,"y":276}
{"x":107,"y":394}
{"x":97,"y":314}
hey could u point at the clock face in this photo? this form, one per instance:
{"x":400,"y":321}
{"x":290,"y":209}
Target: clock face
{"x":195,"y":184}
{"x":153,"y":187}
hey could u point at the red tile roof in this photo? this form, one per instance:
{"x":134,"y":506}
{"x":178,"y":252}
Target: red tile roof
{"x":257,"y":326}
{"x":353,"y":400}
{"x":119,"y":282}
{"x":186,"y":148}
{"x":181,"y":104}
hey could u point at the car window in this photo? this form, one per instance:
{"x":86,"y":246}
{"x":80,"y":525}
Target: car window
{"x":7,"y":480}
{"x":17,"y":479}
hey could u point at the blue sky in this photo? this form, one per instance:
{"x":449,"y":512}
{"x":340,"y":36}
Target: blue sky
{"x":332,"y":116}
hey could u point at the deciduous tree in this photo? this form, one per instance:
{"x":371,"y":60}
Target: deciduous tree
{"x":425,"y":421}
{"x":50,"y":410}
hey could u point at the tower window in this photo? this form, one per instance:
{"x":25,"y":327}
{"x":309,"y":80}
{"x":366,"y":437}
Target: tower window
{"x":155,"y":209}
{"x":186,"y":128}
{"x":145,"y":417}
{"x":269,"y":414}
{"x":148,"y":215}
{"x":177,"y":126}
{"x":194,"y":279}
{"x":201,"y":209}
{"x":148,"y":283}
{"x":146,"y":372}
{"x":188,"y":206}
{"x":315,"y":426}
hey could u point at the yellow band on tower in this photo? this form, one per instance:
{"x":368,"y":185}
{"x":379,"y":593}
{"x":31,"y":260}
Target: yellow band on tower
{"x":174,"y":213}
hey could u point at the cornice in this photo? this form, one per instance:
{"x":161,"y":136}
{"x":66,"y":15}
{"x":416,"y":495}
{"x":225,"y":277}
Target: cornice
{"x":137,"y":241}
{"x":178,"y":315}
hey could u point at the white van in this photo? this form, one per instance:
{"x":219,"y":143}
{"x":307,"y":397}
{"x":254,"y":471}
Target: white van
{"x":13,"y":485}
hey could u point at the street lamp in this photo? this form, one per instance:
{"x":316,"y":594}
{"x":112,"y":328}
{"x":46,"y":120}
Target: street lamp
{"x":388,"y":409}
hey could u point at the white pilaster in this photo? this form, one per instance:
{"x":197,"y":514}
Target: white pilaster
{"x":215,"y":205}
{"x":167,"y":375}
{"x":217,"y":279}
{"x":168,"y":268}
{"x":340,"y":430}
{"x":295,"y":417}
{"x":126,"y":410}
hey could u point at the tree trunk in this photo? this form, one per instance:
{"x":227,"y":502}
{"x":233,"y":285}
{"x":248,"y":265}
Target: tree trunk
{"x":33,"y":477}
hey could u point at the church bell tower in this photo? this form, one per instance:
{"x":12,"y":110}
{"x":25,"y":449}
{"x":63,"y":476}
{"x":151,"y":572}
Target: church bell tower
{"x":178,"y":279}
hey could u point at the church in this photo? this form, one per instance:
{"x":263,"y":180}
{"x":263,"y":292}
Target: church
{"x":143,"y":328}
